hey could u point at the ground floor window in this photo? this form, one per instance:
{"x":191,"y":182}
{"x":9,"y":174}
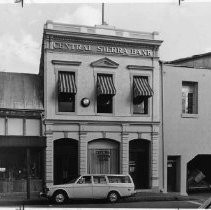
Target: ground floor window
{"x":103,"y":157}
{"x":13,"y":169}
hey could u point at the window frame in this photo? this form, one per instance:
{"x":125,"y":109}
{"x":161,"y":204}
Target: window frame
{"x":70,"y":70}
{"x":149,"y":108}
{"x":195,"y":86}
{"x":113,"y":98}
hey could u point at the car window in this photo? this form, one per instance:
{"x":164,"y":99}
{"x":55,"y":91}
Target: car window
{"x":72,"y":181}
{"x":85,"y":180}
{"x":119,"y":179}
{"x":99,"y":179}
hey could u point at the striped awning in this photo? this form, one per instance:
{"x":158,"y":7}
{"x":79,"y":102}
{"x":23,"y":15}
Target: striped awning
{"x":105,"y":85}
{"x":141,"y":87}
{"x":67,"y":83}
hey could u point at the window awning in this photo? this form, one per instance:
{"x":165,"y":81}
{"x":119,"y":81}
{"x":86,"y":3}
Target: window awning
{"x":67,"y":83}
{"x":141,"y":87}
{"x":105,"y":85}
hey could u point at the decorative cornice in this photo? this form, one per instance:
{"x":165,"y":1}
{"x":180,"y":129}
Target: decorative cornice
{"x":67,"y":63}
{"x":105,"y":63}
{"x":101,"y":37}
{"x":97,"y":122}
{"x":136,"y":67}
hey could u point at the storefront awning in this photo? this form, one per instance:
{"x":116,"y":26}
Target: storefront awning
{"x":141,"y":87}
{"x":67,"y":83}
{"x":105,"y":85}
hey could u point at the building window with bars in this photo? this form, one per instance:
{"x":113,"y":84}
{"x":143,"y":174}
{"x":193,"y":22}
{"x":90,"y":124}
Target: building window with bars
{"x":189,"y":97}
{"x":66,"y":91}
{"x":105,"y":92}
{"x":141,"y":94}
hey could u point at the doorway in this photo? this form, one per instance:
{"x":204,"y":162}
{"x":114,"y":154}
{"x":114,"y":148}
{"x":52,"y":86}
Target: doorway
{"x":173,"y":173}
{"x":65,"y":160}
{"x":139,"y":162}
{"x":103,"y":156}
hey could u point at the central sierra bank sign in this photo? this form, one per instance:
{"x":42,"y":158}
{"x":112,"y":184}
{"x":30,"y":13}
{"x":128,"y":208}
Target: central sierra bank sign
{"x":98,"y":49}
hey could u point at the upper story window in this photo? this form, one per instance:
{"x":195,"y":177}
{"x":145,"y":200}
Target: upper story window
{"x":66,"y":91}
{"x":105,"y":92}
{"x":189,"y":97}
{"x":141,"y":94}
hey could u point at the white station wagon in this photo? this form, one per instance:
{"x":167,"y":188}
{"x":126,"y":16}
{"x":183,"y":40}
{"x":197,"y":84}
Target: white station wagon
{"x":92,"y":186}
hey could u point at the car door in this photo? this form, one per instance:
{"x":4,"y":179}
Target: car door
{"x":83,"y":188}
{"x":100,"y":186}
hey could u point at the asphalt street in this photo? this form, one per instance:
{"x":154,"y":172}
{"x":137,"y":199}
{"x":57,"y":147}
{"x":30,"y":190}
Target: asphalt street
{"x":195,"y":202}
{"x":103,"y":204}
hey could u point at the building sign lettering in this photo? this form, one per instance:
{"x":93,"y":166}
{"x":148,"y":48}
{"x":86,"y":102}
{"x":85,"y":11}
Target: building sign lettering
{"x":73,"y":47}
{"x":103,"y":155}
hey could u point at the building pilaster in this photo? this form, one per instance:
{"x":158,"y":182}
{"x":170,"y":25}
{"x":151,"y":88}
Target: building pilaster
{"x":124,"y":153}
{"x":83,"y":152}
{"x":155,"y":159}
{"x":49,"y":158}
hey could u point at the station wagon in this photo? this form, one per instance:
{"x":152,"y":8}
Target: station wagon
{"x":92,"y":186}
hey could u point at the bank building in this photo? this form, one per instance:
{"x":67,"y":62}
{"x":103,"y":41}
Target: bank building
{"x":101,"y":102}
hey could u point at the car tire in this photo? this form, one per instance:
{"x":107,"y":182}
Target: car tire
{"x":113,"y":197}
{"x":59,"y":197}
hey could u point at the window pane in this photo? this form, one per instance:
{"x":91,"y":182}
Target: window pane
{"x":104,"y":104}
{"x":141,"y":108}
{"x":99,"y":179}
{"x":66,"y":102}
{"x":85,"y":180}
{"x":189,"y":97}
{"x":119,"y":179}
{"x":141,"y":94}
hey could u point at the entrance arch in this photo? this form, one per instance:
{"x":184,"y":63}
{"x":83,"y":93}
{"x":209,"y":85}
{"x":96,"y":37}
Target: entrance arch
{"x":139,"y":162}
{"x":103,"y":156}
{"x":65,"y":160}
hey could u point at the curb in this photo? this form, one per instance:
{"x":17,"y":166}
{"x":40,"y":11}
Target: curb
{"x":138,"y":198}
{"x":158,"y":198}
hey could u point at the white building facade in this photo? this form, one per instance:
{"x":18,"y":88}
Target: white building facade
{"x":102,"y":103}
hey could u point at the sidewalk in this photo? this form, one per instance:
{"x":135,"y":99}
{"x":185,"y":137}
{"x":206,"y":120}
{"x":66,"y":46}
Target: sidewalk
{"x":156,"y":196}
{"x":140,"y":196}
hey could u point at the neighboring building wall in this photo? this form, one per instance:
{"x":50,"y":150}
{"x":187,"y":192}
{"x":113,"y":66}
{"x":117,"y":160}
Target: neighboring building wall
{"x":86,"y":125}
{"x":21,"y":133}
{"x":185,"y":136}
{"x":20,"y":91}
{"x":196,"y":61}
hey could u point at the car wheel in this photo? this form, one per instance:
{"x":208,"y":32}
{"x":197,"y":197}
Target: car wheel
{"x":59,"y":197}
{"x":113,"y":197}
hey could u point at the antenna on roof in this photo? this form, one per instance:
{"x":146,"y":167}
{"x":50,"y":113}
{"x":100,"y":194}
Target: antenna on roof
{"x":103,"y":21}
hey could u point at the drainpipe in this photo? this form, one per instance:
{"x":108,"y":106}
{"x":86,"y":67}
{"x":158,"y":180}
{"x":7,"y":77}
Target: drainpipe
{"x":162,"y":122}
{"x":28,"y":161}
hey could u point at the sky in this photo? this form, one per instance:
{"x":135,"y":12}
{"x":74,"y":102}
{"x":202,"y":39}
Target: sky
{"x":185,"y":29}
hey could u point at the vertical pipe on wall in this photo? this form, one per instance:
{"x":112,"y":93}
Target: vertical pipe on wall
{"x":28,"y":172}
{"x":162,"y":123}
